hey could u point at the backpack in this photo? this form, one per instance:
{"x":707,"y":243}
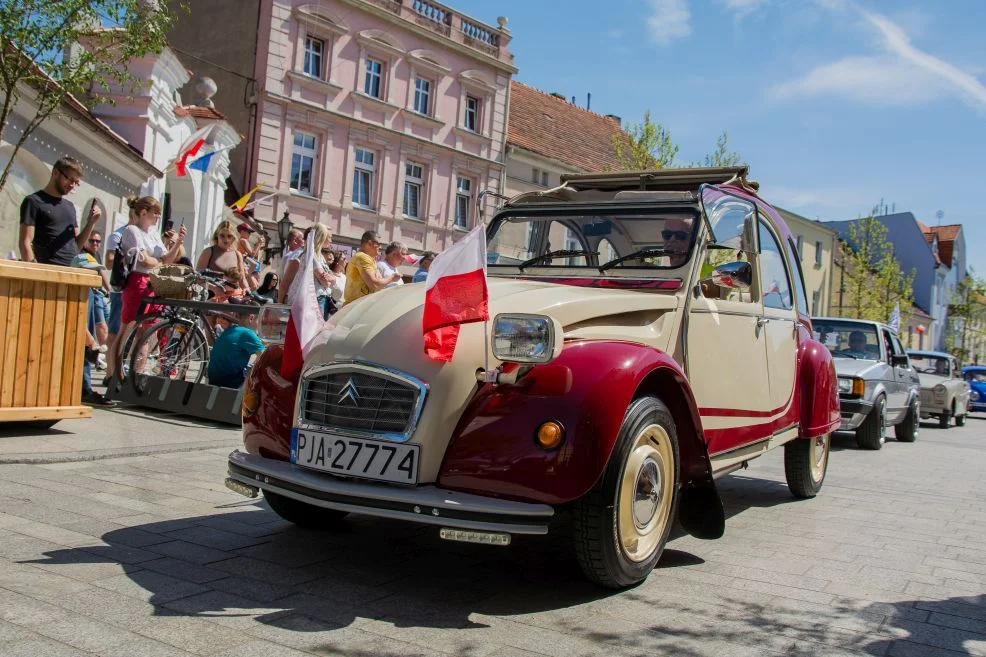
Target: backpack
{"x":121,"y":270}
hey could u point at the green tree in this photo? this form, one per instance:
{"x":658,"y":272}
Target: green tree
{"x":873,"y":282}
{"x":967,"y":318}
{"x":648,"y":145}
{"x":40,"y":53}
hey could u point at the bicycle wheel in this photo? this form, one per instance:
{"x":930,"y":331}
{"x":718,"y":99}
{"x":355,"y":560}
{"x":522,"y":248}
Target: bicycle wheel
{"x":125,"y":344}
{"x":175,"y":349}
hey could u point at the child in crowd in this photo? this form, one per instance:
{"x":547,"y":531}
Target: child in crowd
{"x":234,"y":353}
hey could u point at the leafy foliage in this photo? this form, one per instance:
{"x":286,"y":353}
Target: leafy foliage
{"x":648,"y":145}
{"x":966,"y":334}
{"x":53,"y":49}
{"x":873,"y":281}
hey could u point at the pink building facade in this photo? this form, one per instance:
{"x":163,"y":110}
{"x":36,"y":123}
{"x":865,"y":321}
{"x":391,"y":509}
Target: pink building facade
{"x":386,"y":115}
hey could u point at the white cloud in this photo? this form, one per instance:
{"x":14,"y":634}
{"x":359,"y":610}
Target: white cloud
{"x":669,"y":21}
{"x":905,"y":75}
{"x":743,"y":7}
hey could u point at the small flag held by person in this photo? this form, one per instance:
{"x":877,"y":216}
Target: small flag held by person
{"x":894,"y":322}
{"x":305,"y":320}
{"x":455,"y":294}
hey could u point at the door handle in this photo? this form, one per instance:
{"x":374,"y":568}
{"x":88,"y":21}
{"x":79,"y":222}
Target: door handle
{"x":761,"y":321}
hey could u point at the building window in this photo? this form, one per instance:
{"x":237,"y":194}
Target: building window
{"x":463,"y":201}
{"x":422,"y":96}
{"x":816,"y":300}
{"x":539,"y":177}
{"x":818,"y":254}
{"x":302,"y":162}
{"x":373,"y":84}
{"x":313,"y":57}
{"x":413,"y":185}
{"x":363,"y":178}
{"x":801,"y":246}
{"x":471,"y":119}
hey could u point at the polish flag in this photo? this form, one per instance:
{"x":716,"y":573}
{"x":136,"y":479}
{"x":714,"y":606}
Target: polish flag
{"x":190,"y":148}
{"x":455,"y":294}
{"x":305,"y":320}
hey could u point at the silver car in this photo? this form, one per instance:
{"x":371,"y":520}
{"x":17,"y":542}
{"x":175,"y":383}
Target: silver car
{"x":944,"y":394}
{"x":878,"y":387}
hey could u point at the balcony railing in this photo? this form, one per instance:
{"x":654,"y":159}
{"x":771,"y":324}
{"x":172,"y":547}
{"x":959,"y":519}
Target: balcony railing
{"x":449,"y":23}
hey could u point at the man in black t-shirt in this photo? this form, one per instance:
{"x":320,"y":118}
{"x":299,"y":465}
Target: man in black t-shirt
{"x":48,"y":222}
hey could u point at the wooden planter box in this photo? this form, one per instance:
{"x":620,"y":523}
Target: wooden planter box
{"x":43,"y":312}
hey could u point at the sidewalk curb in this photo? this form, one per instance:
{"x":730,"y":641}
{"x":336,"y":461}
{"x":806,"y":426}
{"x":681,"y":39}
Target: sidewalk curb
{"x":120,"y":452}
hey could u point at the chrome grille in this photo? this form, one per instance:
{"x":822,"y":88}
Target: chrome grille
{"x":359,"y":400}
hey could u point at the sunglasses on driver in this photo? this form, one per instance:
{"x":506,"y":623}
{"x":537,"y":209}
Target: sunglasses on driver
{"x":676,"y":234}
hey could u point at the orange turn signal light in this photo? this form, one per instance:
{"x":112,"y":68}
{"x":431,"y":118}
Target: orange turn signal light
{"x":251,"y":402}
{"x":858,"y":387}
{"x":550,"y":435}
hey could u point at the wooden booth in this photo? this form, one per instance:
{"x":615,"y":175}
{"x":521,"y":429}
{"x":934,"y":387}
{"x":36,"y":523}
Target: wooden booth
{"x":43,"y":312}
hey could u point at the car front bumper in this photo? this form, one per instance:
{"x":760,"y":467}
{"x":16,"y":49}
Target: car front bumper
{"x":425,"y":504}
{"x":853,"y":411}
{"x":932,"y":406}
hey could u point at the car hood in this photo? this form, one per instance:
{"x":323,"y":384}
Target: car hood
{"x":385,"y":329}
{"x":931,"y":380}
{"x":858,"y":367}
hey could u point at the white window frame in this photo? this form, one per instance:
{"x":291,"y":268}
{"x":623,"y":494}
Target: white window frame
{"x":380,"y":76}
{"x":302,"y":152}
{"x":366,"y":172}
{"x":426,"y":94}
{"x":476,"y":113}
{"x":463,"y":202}
{"x":413,"y":180}
{"x":310,"y":54}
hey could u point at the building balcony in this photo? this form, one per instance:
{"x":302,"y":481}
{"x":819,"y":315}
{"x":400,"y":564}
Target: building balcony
{"x":454,"y":25}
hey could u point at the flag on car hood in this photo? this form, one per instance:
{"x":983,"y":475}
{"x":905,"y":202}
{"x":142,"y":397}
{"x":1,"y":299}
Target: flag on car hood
{"x":305,"y":320}
{"x":455,"y":294}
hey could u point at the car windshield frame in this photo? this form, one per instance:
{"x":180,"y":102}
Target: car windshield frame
{"x":922,"y":367}
{"x":840,"y":326}
{"x":604,"y":214}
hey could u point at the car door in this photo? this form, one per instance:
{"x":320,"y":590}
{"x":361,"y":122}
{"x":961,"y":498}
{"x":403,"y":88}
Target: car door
{"x":779,"y":321}
{"x":725,"y":345}
{"x":909,"y":382}
{"x":895,"y":379}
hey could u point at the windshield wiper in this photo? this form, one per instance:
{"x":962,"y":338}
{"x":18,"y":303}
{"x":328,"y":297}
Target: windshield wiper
{"x":561,"y":253}
{"x":642,"y":253}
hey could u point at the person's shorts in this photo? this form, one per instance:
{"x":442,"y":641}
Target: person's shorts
{"x":116,"y":311}
{"x":97,"y":311}
{"x":138,"y":287}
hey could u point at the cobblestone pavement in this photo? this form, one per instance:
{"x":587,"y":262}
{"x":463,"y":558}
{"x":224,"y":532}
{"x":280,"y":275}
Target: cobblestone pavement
{"x":151,"y":555}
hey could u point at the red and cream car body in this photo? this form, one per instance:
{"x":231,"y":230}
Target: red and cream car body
{"x":666,"y":343}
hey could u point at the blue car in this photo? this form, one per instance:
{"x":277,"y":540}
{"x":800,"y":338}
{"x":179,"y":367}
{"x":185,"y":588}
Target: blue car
{"x":975,"y":375}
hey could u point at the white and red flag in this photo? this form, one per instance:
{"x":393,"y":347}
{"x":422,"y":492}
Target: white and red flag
{"x":455,"y":294}
{"x":305,"y":320}
{"x":190,"y":149}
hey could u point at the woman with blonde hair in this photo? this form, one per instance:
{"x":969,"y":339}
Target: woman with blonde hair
{"x":322,"y":241}
{"x":223,"y":256}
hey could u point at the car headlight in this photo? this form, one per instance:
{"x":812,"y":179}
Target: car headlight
{"x":852,"y":386}
{"x":974,"y":396}
{"x":939,"y":390}
{"x":526,"y":338}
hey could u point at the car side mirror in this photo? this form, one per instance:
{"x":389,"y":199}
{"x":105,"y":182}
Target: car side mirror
{"x":898,"y":360}
{"x":733,"y":275}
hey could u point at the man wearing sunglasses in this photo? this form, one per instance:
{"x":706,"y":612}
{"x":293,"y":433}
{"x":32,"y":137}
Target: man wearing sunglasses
{"x":49,"y":229}
{"x":362,"y":275}
{"x":677,"y":235}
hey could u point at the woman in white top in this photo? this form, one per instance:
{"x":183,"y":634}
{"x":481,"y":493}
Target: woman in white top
{"x":141,"y":244}
{"x":323,"y":259}
{"x":339,"y":285}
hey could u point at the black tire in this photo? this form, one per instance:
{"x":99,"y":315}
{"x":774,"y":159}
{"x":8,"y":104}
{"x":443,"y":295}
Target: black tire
{"x":872,"y":433}
{"x":907,"y":430}
{"x":959,"y":419}
{"x":124,"y":347}
{"x":620,"y":530}
{"x":944,"y":420}
{"x":302,"y":514}
{"x":805,"y":464}
{"x":174,"y":349}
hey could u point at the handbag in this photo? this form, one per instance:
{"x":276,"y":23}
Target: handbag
{"x":122,"y":267}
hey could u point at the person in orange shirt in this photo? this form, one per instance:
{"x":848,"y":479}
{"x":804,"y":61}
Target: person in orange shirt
{"x":362,"y":275}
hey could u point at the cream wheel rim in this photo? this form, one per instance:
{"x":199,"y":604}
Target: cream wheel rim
{"x":819,"y":455}
{"x":646,"y":493}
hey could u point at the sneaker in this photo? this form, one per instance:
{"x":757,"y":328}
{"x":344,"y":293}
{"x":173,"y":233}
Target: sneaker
{"x":100,"y":362}
{"x":93,"y":398}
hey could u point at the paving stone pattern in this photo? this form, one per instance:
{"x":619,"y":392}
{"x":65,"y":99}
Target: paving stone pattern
{"x":151,"y":555}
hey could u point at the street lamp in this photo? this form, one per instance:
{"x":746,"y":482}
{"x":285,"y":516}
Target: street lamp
{"x":284,"y":227}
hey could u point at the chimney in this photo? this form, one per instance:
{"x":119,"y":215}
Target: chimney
{"x":558,"y":95}
{"x":616,"y":119}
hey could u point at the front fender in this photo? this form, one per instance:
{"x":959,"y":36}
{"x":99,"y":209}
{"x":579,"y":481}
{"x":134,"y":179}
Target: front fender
{"x":587,"y":389}
{"x":819,"y":388}
{"x":267,"y":431}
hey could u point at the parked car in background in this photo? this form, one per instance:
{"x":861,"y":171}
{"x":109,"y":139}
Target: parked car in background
{"x":944,"y":394}
{"x":975,"y":376}
{"x":649,"y":332}
{"x":878,"y":387}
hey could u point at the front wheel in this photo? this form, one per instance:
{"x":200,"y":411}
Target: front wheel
{"x":302,"y":514}
{"x":944,"y":419}
{"x":805,"y":464}
{"x":959,"y":419}
{"x":873,"y":431}
{"x":907,"y":431}
{"x":622,"y":524}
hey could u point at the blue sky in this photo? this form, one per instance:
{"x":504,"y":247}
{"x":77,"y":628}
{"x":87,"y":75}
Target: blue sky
{"x":835,"y":104}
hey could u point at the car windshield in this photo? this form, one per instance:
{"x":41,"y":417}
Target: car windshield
{"x":848,"y":339}
{"x":977,"y":376}
{"x":597,"y":243}
{"x":927,"y":364}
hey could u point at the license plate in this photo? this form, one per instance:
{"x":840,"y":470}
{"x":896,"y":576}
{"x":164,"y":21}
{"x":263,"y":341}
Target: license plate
{"x":355,"y":457}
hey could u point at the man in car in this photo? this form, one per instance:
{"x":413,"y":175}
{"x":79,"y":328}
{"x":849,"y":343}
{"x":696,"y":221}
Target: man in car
{"x":677,"y":234}
{"x":857,"y":345}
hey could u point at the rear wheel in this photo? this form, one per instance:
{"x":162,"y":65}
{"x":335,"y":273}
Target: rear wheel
{"x":174,"y":349}
{"x":805,"y":464}
{"x":302,"y":514}
{"x":907,"y":430}
{"x":872,"y":433}
{"x":622,"y":524}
